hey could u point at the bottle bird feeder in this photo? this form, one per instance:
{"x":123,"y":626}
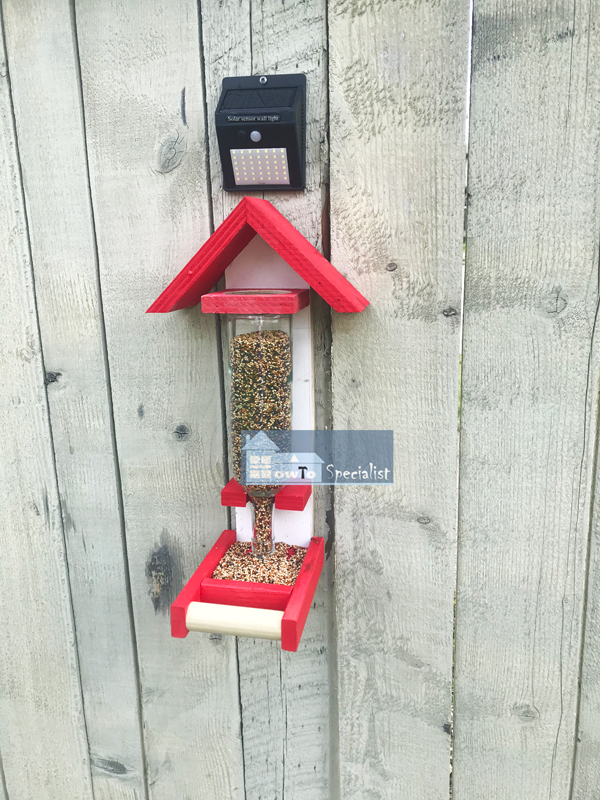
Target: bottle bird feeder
{"x":260,"y":580}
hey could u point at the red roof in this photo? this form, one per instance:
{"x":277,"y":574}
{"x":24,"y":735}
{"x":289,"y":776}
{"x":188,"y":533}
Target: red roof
{"x":250,"y":217}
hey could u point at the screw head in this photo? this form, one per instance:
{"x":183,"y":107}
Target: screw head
{"x":391,"y":267}
{"x":262,"y":79}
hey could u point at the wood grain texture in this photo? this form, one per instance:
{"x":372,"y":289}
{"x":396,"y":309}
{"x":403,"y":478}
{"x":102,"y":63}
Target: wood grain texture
{"x":586,"y":778}
{"x":529,"y":391}
{"x":70,"y":724}
{"x":398,"y":76}
{"x":49,"y":124}
{"x":285,"y":696}
{"x":3,"y":790}
{"x":145,"y":122}
{"x":40,"y":694}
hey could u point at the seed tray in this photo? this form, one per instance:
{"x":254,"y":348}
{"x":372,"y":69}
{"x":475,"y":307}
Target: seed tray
{"x":243,"y":608}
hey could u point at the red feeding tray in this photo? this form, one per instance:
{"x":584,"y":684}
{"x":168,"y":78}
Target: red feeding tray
{"x":279,"y":611}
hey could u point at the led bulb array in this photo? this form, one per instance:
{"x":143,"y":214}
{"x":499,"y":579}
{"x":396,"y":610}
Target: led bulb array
{"x":264,"y":165}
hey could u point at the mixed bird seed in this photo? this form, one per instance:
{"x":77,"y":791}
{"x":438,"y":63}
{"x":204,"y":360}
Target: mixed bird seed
{"x":262,"y":525}
{"x":261,"y":399}
{"x":240,"y":564}
{"x":261,"y":394}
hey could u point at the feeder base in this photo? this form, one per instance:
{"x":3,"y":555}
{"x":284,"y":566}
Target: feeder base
{"x":190,"y":612}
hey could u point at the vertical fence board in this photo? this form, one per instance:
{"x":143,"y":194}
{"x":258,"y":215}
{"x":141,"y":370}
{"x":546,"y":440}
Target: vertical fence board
{"x":285,"y":696}
{"x":144,"y":112}
{"x":530,"y":379}
{"x":227,"y":52}
{"x":42,"y":734}
{"x":3,"y":792}
{"x":302,"y":678}
{"x":49,"y":125}
{"x":398,"y":75}
{"x":586,"y":778}
{"x":587,"y":763}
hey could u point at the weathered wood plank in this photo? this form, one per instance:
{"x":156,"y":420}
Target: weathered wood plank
{"x":49,"y":124}
{"x":303,"y":676}
{"x":586,"y":778}
{"x":3,"y":791}
{"x":144,"y":112}
{"x":530,"y":378}
{"x":398,"y":75}
{"x":285,"y":696}
{"x":42,"y":735}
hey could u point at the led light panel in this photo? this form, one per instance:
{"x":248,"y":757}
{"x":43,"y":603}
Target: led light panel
{"x":260,"y":166}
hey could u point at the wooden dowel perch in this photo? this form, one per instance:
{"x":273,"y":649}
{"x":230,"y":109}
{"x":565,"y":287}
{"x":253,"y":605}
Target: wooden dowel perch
{"x":259,"y":623}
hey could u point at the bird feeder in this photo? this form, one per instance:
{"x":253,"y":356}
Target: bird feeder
{"x":269,"y":269}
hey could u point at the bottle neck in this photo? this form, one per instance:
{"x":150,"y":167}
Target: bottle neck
{"x":263,"y":543}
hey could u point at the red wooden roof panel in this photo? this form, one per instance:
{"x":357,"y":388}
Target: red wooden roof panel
{"x":251,"y":216}
{"x":303,"y":257}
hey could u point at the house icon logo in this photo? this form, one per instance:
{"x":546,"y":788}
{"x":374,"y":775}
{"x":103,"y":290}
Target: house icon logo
{"x":265,"y":462}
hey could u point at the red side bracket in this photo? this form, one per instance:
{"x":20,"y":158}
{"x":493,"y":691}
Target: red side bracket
{"x":191,"y":591}
{"x":303,"y":592}
{"x":293,"y":497}
{"x":233,"y":495}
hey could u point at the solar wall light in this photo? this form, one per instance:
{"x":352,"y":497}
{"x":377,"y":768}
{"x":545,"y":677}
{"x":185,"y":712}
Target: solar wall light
{"x":261,"y":130}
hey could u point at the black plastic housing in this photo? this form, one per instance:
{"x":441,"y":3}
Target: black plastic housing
{"x":277,"y":110}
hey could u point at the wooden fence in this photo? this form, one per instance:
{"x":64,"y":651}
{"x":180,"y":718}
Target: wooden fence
{"x":112,"y":452}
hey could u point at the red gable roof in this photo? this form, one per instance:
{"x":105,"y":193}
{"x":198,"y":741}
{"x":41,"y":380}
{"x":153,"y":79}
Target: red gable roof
{"x":250,"y":217}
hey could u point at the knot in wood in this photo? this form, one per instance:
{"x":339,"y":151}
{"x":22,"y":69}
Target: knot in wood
{"x":170,"y":152}
{"x":181,"y":433}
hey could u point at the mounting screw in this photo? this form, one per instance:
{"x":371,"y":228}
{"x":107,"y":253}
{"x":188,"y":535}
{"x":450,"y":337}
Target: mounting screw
{"x":262,"y":79}
{"x":391,"y":267}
